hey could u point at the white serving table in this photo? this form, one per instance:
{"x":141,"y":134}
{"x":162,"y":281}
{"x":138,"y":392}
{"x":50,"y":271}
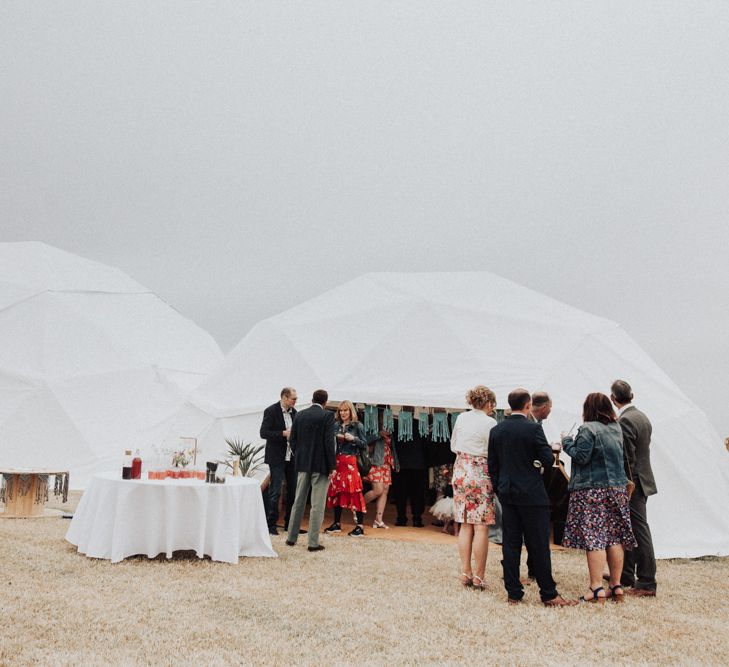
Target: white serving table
{"x":117,"y":518}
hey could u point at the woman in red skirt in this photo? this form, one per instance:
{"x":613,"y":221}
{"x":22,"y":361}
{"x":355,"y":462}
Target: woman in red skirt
{"x":345,"y":489}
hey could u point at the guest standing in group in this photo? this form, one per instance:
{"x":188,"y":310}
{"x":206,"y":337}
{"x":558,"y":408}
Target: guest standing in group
{"x":276,"y":430}
{"x":598,"y":517}
{"x":345,"y":491}
{"x":517,"y":450}
{"x":384,"y":461}
{"x":540,"y":410}
{"x":313,"y":444}
{"x":412,"y":480}
{"x":473,"y":495}
{"x":639,"y":569}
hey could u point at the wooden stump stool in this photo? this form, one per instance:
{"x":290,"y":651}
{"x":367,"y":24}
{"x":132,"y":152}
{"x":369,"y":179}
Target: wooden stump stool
{"x":25,"y":492}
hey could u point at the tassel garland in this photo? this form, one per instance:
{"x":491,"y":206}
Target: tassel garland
{"x":423,"y":426}
{"x":405,"y":426}
{"x":441,"y":432}
{"x":370,"y":420}
{"x":388,"y":421}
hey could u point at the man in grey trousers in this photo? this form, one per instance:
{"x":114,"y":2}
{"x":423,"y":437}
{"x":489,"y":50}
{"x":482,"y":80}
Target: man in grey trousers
{"x":639,"y":568}
{"x":313,"y":444}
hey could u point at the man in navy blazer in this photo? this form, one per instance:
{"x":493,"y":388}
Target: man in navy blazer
{"x":275,"y":430}
{"x":518,"y":451}
{"x":313,"y":439}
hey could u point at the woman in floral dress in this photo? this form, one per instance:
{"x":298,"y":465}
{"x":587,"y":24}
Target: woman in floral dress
{"x":473,"y":496}
{"x":598,"y":518}
{"x":345,"y":489}
{"x":384,"y":461}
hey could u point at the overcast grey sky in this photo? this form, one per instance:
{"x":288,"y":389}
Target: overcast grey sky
{"x":239,"y":157}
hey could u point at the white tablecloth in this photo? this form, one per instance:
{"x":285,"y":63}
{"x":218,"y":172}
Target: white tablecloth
{"x":119,"y":518}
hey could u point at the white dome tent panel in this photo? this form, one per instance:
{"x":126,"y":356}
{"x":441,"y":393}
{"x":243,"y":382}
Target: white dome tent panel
{"x":40,"y":434}
{"x":91,"y":362}
{"x":690,"y":466}
{"x":268,"y":355}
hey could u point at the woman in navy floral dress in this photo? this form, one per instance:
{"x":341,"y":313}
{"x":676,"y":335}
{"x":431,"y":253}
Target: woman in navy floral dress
{"x":598,"y":518}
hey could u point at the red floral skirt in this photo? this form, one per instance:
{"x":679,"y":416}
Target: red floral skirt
{"x":383,"y":474}
{"x":345,"y":489}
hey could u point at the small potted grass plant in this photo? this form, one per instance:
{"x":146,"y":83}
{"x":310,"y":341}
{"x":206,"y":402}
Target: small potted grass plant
{"x":248,"y":455}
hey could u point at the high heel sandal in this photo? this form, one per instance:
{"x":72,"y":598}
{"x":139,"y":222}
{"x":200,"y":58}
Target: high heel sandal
{"x":478,"y":584}
{"x":595,"y":597}
{"x":617,"y":597}
{"x":379,"y":524}
{"x":466,"y":580}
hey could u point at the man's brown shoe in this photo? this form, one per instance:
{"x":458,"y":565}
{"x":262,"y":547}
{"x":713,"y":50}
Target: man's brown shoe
{"x":641,"y":592}
{"x":559,"y":601}
{"x":513,"y":601}
{"x":320,"y":547}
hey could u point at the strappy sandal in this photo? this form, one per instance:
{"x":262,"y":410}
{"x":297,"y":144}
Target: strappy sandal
{"x":379,"y":524}
{"x":595,"y":597}
{"x":617,"y":597}
{"x":478,"y":584}
{"x":466,"y":580}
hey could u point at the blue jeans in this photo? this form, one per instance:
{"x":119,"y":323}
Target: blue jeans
{"x":280,"y":472}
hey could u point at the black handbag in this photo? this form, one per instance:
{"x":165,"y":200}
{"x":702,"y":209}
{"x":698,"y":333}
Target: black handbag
{"x":364,"y":462}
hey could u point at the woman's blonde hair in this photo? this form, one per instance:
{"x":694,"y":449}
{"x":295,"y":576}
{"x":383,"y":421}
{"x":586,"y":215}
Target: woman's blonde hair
{"x":479,"y":396}
{"x":352,"y":411}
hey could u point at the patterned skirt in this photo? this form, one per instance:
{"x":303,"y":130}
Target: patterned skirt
{"x":473,"y":494}
{"x":442,"y":476}
{"x":598,"y":518}
{"x":382,"y":474}
{"x":345,"y":489}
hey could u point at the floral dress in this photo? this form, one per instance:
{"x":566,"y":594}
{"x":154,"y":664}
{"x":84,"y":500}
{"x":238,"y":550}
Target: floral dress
{"x":598,"y":518}
{"x":473,"y":494}
{"x":383,"y":474}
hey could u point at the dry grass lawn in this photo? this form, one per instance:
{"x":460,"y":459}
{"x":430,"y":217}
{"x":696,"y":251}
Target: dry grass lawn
{"x":362,"y":602}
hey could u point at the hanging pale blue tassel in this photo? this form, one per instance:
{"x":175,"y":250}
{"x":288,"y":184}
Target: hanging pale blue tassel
{"x":441,"y":432}
{"x":423,"y":425}
{"x":370,"y":419}
{"x":454,"y":416}
{"x":405,"y":426}
{"x":388,"y":422}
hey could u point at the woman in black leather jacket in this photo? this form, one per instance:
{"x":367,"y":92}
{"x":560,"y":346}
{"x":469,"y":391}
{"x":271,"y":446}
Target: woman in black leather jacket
{"x":345,"y":489}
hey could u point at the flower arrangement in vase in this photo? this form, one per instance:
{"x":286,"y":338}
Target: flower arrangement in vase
{"x":182,"y":458}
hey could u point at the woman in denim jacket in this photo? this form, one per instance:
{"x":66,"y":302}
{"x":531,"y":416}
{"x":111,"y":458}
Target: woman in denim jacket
{"x":598,"y":518}
{"x":345,"y":489}
{"x":384,"y":461}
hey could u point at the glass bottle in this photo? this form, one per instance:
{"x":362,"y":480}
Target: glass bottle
{"x":127,"y":465}
{"x":136,"y":466}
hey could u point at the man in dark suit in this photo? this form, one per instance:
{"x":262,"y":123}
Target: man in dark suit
{"x":517,"y":451}
{"x":639,"y":567}
{"x":313,"y":441}
{"x":539,"y":411}
{"x":411,"y":480}
{"x":275,"y":429}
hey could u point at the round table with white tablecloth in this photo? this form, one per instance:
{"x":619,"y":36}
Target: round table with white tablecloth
{"x":117,"y":518}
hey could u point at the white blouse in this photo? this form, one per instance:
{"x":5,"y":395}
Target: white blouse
{"x":471,"y":433}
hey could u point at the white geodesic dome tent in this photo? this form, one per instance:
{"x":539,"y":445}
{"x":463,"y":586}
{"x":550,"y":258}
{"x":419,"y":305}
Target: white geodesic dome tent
{"x":423,"y":339}
{"x":91,"y":362}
